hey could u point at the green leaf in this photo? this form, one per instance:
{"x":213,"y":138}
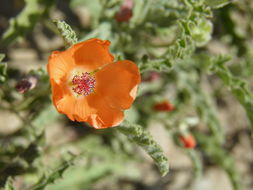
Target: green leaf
{"x":102,"y":31}
{"x":189,"y":83}
{"x":101,"y":162}
{"x":143,"y":138}
{"x":3,"y":69}
{"x":132,"y":115}
{"x":26,"y":20}
{"x":201,"y":32}
{"x":3,"y":72}
{"x":93,"y":6}
{"x":48,"y":115}
{"x":154,"y":65}
{"x":196,"y":162}
{"x":52,"y":176}
{"x":2,"y":56}
{"x":217,"y":3}
{"x":66,"y":32}
{"x":236,"y":85}
{"x":9,"y":184}
{"x":219,"y":156}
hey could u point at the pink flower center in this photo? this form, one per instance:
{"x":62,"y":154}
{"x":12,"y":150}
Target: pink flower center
{"x":83,"y":84}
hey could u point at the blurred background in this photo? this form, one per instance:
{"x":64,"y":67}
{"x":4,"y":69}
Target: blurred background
{"x":195,"y":98}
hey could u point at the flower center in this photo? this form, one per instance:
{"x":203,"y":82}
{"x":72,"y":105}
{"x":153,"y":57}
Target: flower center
{"x":83,"y":84}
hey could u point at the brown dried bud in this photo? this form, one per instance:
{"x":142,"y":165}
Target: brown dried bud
{"x":26,"y":84}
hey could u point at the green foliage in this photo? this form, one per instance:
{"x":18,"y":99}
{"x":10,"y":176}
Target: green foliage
{"x":188,"y":84}
{"x":3,"y":69}
{"x":96,"y":164}
{"x":48,"y":115}
{"x":2,"y":56}
{"x":66,"y":32}
{"x":217,"y":3}
{"x":95,"y":7}
{"x":52,"y":176}
{"x":201,"y":32}
{"x":236,"y":85}
{"x":137,"y":134}
{"x":18,"y":158}
{"x":26,"y":20}
{"x":8,"y":185}
{"x":220,"y":157}
{"x":197,"y":163}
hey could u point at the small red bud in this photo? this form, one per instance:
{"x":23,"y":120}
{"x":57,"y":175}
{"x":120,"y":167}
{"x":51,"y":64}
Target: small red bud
{"x":125,"y":13}
{"x":188,"y":141}
{"x":164,"y":106}
{"x":26,"y":84}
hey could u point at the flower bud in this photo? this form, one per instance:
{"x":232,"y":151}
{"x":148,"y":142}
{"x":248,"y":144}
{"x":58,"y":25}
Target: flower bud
{"x":188,"y":141}
{"x":152,"y":76}
{"x":125,"y":13}
{"x":26,"y":84}
{"x":164,"y":106}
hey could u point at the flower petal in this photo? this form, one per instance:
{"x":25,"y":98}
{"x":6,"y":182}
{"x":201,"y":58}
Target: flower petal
{"x":95,"y":110}
{"x":92,"y":54}
{"x":63,"y":99}
{"x":77,"y":109}
{"x":105,"y":117}
{"x":92,"y":109}
{"x":117,"y":83}
{"x":59,"y":65}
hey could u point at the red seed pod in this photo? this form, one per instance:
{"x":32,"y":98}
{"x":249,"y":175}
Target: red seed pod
{"x":188,"y":141}
{"x":26,"y":84}
{"x":164,"y":106}
{"x":125,"y":13}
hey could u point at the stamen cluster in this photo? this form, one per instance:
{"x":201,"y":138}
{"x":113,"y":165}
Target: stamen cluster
{"x":83,"y":84}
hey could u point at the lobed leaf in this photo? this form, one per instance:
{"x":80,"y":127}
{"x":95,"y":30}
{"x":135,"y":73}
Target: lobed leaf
{"x":136,"y":134}
{"x":66,"y":32}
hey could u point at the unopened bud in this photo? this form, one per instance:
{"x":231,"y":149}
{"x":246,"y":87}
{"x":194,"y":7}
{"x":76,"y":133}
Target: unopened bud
{"x":125,"y":13}
{"x":188,"y":141}
{"x":26,"y":84}
{"x":164,"y":106}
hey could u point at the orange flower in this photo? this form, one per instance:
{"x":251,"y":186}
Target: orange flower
{"x":88,"y":86}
